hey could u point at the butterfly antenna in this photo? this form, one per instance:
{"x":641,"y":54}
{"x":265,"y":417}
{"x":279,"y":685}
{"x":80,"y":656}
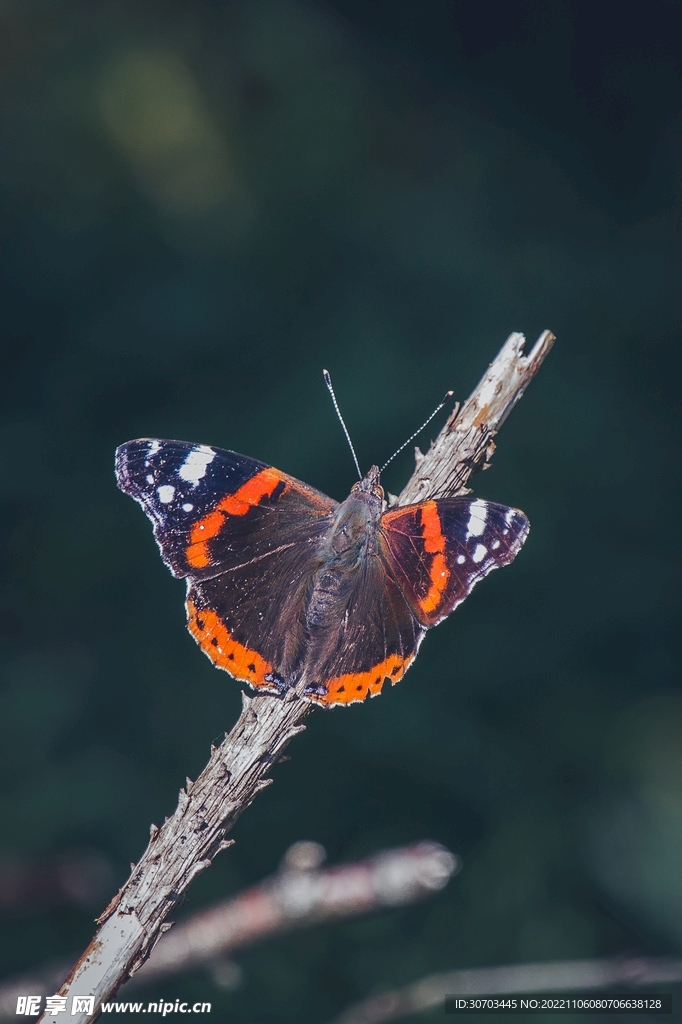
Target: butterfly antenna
{"x":328,"y":382}
{"x":438,"y":408}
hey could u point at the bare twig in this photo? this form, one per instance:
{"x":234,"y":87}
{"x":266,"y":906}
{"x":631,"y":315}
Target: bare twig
{"x":465,"y":442}
{"x":185,"y":845}
{"x":300,"y":894}
{"x":553,"y":976}
{"x":237,"y":770}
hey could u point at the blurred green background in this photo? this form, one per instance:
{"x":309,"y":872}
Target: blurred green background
{"x":204,"y":203}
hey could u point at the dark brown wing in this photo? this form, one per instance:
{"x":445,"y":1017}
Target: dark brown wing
{"x":244,"y":535}
{"x":378,"y":638}
{"x":208,"y":504}
{"x":249,"y":620}
{"x":439,"y":550}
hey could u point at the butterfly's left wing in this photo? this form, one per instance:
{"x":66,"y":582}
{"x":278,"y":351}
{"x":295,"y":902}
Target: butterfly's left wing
{"x":438,"y":550}
{"x":245,"y":536}
{"x":211,"y":508}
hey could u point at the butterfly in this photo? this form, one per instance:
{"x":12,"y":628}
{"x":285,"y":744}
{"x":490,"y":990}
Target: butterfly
{"x":286,"y":586}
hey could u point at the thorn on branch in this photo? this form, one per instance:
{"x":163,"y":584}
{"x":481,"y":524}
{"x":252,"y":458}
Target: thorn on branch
{"x":111,"y":906}
{"x":197,"y":868}
{"x":262,"y":784}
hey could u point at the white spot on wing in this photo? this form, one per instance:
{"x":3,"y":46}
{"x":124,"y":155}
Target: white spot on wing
{"x":461,"y":559}
{"x":480,"y":553}
{"x":150,"y":478}
{"x":194,"y":467}
{"x":477,"y":519}
{"x":166,"y":493}
{"x":510,"y":516}
{"x":151,"y":451}
{"x":495,"y":545}
{"x":187,"y":507}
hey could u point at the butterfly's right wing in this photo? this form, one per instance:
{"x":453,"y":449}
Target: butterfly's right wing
{"x":375,"y":636}
{"x":438,"y":550}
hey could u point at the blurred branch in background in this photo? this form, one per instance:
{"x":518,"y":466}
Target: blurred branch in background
{"x":237,"y":771}
{"x":299,"y":895}
{"x":553,"y":976}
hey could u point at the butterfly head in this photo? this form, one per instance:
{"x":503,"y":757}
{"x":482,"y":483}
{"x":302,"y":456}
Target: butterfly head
{"x":356,"y":519}
{"x":369,"y":485}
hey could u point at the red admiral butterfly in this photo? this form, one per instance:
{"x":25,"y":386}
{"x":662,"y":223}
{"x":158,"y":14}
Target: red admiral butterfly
{"x":287,"y":586}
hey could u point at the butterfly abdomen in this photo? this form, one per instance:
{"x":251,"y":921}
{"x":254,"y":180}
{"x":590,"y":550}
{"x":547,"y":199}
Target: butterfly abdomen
{"x":343,"y":549}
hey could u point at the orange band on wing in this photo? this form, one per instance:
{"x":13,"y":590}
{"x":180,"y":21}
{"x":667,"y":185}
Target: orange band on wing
{"x":357,"y":686}
{"x":216,"y":641}
{"x":262,"y":485}
{"x":434,"y":544}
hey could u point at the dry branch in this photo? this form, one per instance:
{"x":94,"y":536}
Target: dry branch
{"x":237,"y":770}
{"x":465,"y":442}
{"x":552,"y":976}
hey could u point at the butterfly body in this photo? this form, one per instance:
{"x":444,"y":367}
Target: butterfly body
{"x":286,"y":587}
